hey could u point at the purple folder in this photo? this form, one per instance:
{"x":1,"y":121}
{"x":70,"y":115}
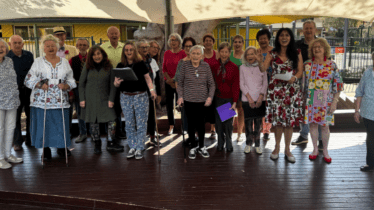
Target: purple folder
{"x":225,"y":112}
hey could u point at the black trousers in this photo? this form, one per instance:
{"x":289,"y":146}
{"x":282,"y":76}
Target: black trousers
{"x":151,"y":125}
{"x":24,"y":95}
{"x":369,"y":124}
{"x":252,"y":131}
{"x":170,"y":102}
{"x":223,"y":129}
{"x":196,"y":121}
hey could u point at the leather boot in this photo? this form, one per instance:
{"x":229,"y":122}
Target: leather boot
{"x":97,"y":149}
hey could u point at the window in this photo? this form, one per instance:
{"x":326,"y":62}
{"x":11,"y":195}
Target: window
{"x":27,"y":32}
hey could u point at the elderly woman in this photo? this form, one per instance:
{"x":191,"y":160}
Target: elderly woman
{"x":323,"y":83}
{"x":365,"y":109}
{"x":153,"y":70}
{"x":169,"y":67}
{"x":48,"y":76}
{"x":134,"y":99}
{"x":188,"y":43}
{"x":253,"y":85}
{"x":227,"y":91}
{"x":98,"y":95}
{"x":235,"y":57}
{"x":284,"y":98}
{"x":211,"y":57}
{"x":196,"y":90}
{"x":9,"y":102}
{"x":263,"y":38}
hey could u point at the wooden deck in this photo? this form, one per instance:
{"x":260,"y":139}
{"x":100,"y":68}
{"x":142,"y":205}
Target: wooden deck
{"x":223,"y":181}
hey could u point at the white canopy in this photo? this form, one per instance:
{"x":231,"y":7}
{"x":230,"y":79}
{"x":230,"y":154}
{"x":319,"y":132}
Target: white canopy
{"x":184,"y":10}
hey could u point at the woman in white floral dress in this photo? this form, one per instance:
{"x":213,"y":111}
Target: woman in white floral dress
{"x":44,"y":79}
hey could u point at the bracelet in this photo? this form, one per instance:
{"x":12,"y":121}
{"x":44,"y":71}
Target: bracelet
{"x":152,"y":89}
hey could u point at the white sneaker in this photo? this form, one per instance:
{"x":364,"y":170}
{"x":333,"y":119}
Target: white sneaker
{"x":131,"y":153}
{"x":240,"y":138}
{"x":247,"y":149}
{"x":204,"y":152}
{"x":192,"y":154}
{"x":4,"y":164}
{"x":13,"y":159}
{"x":258,"y":150}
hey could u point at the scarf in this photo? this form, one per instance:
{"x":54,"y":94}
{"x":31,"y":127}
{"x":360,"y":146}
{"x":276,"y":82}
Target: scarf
{"x":222,"y":69}
{"x":255,"y":64}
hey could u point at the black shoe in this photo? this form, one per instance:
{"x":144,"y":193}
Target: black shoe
{"x":117,"y":141}
{"x":28,"y":142}
{"x":266,"y":136}
{"x":230,"y":150}
{"x":97,"y":149}
{"x":219,"y":149}
{"x":320,"y":145}
{"x":154,"y":142}
{"x":300,"y":140}
{"x":47,"y":153}
{"x":113,"y":146}
{"x":61,"y":152}
{"x":366,"y":168}
{"x":121,"y":135}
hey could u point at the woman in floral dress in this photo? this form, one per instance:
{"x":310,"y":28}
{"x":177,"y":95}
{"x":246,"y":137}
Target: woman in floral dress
{"x":323,"y":83}
{"x":284,"y":98}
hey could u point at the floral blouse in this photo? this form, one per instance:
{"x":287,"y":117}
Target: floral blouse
{"x":9,"y":94}
{"x":322,"y":81}
{"x":42,"y":69}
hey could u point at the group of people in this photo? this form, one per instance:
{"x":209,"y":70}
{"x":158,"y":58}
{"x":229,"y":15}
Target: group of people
{"x":290,"y":84}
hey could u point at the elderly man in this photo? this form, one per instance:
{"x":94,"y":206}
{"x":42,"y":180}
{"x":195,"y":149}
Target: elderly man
{"x":22,"y":61}
{"x":114,"y":50}
{"x":309,"y":31}
{"x":77,"y":62}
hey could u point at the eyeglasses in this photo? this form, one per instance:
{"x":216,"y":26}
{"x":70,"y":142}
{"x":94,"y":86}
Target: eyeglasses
{"x":144,"y":47}
{"x":155,"y":47}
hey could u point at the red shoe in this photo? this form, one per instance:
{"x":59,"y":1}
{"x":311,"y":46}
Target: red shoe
{"x":327,"y":160}
{"x":313,"y":157}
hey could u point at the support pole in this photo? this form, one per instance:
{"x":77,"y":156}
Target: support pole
{"x":247,"y":32}
{"x":36,"y":42}
{"x":345,"y":42}
{"x":237,"y":28}
{"x":169,"y":22}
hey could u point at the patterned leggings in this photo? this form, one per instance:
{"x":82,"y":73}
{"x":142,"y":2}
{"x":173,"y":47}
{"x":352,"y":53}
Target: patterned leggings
{"x":252,"y":131}
{"x":95,"y":130}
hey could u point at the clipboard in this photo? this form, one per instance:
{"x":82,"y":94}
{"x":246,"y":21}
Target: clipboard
{"x":225,"y":112}
{"x":127,"y":74}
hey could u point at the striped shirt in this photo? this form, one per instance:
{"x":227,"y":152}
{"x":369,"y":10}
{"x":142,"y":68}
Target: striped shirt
{"x":195,"y":84}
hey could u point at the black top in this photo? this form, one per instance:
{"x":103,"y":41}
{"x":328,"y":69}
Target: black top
{"x":76,"y":65}
{"x":304,"y":49}
{"x":22,"y":65}
{"x":140,"y":69}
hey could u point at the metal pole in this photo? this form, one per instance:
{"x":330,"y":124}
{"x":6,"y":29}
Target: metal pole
{"x":169,"y":22}
{"x":237,"y":28}
{"x":36,"y":42}
{"x":247,"y":32}
{"x":345,"y":42}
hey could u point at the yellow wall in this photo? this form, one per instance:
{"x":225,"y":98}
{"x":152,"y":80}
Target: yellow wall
{"x":252,"y":35}
{"x":96,"y":30}
{"x":7,"y":30}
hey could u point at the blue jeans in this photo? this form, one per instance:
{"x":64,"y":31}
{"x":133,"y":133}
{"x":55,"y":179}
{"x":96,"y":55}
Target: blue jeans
{"x":304,"y":131}
{"x":81,"y":123}
{"x":135,"y":108}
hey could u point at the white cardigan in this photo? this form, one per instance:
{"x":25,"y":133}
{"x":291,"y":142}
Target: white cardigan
{"x":42,"y":69}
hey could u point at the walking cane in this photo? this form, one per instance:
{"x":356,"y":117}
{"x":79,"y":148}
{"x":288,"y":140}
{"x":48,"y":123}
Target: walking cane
{"x":63,"y":125}
{"x":184,"y":140}
{"x":45,"y":109}
{"x":158,"y":139}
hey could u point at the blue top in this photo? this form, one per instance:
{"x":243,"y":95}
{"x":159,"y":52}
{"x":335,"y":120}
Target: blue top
{"x":22,"y":65}
{"x":365,"y":90}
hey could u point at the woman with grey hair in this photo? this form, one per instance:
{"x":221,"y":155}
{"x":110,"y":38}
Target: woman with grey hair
{"x":48,"y":76}
{"x":253,"y":86}
{"x":227,"y":91}
{"x":9,"y":102}
{"x":169,"y":67}
{"x":196,"y":90}
{"x":365,"y":109}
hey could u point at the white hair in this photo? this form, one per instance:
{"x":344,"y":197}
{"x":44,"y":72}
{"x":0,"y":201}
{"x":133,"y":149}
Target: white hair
{"x":84,"y":39}
{"x":6,"y":45}
{"x":197,"y":47}
{"x":142,"y":41}
{"x":10,"y":39}
{"x":50,"y":37}
{"x":178,"y":37}
{"x":244,"y":61}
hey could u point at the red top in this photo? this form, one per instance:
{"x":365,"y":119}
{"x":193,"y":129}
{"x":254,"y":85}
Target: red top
{"x":230,"y":88}
{"x":171,"y":62}
{"x":213,"y":62}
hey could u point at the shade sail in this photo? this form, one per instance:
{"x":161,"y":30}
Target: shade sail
{"x":271,"y":19}
{"x":184,"y":10}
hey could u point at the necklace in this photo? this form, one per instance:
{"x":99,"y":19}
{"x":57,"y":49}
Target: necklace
{"x":197,"y":73}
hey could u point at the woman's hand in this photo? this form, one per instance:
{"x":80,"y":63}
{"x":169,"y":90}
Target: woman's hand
{"x":153,"y":95}
{"x":180,"y":102}
{"x":292,"y":80}
{"x":332,"y":107}
{"x":208,"y":101}
{"x":82,"y":104}
{"x":110,"y":104}
{"x":259,"y":56}
{"x":233,"y":107}
{"x":63,"y":86}
{"x":357,"y":117}
{"x":258,"y":103}
{"x":44,"y":87}
{"x":117,"y":81}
